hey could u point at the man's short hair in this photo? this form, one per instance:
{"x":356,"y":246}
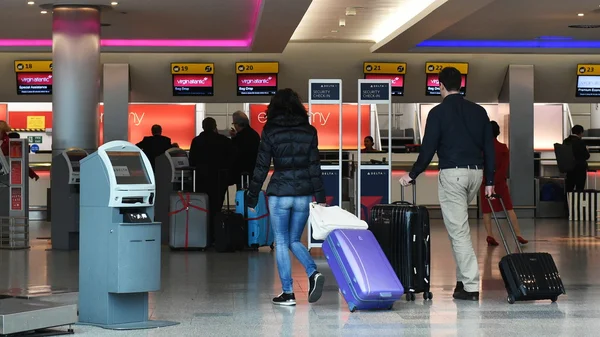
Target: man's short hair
{"x":241,"y":119}
{"x":209,"y":124}
{"x":451,"y":78}
{"x":156,"y":129}
{"x":577,"y":130}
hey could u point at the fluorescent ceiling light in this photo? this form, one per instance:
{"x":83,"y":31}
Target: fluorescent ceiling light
{"x":406,"y":14}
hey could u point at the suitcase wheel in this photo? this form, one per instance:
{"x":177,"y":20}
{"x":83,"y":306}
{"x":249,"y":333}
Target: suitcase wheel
{"x":272,"y":246}
{"x":511,"y":299}
{"x":351,"y":307}
{"x":410,"y":297}
{"x":554,"y":299}
{"x":391,"y":307}
{"x":428,"y":295}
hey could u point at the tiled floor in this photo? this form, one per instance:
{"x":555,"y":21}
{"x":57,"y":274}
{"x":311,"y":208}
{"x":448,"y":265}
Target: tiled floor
{"x":229,"y":294}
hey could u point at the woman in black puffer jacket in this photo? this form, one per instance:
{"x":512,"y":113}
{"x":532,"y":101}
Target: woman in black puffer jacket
{"x":291,"y":142}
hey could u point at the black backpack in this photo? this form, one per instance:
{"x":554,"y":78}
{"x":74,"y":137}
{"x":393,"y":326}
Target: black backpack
{"x":564,"y":157}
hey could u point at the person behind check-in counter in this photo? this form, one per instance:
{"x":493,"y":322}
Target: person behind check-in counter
{"x":577,"y":177}
{"x":246,"y":142}
{"x":155,"y":145}
{"x":5,"y":136}
{"x":369,"y":145}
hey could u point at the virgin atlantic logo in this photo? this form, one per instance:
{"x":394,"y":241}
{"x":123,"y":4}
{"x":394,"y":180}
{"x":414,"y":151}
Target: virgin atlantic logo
{"x":195,"y":81}
{"x":256,"y":81}
{"x":28,"y":79}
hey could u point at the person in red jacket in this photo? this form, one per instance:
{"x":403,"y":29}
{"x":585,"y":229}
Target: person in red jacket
{"x":4,"y":137}
{"x":501,"y":189}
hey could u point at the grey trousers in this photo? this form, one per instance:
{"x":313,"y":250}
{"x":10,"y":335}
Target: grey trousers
{"x":457,"y":189}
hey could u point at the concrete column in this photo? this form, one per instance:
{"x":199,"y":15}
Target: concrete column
{"x":116,"y":102}
{"x":76,"y":86}
{"x":519,"y":83}
{"x":76,"y":83}
{"x":595,"y":116}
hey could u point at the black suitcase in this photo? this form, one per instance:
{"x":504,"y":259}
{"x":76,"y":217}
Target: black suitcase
{"x":229,"y":228}
{"x":527,"y":276}
{"x":402,"y":230}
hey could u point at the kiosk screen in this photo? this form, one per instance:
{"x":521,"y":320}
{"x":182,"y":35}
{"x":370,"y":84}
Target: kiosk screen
{"x":128,"y":167}
{"x":74,"y":159}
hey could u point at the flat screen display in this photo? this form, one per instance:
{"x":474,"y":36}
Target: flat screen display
{"x":34,"y":83}
{"x":74,"y":159}
{"x":588,"y":86}
{"x":397,"y":82}
{"x":193,"y":85}
{"x":128,"y":167}
{"x":257,"y":84}
{"x":433,"y":85}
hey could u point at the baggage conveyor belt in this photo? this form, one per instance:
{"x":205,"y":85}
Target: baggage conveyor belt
{"x":32,"y":317}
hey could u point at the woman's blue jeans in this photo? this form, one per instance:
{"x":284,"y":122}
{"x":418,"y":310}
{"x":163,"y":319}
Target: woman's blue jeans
{"x":288,"y":219}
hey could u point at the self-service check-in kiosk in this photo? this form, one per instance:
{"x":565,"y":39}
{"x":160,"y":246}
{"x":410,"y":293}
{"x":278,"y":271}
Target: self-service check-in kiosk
{"x":120,"y":248}
{"x":65,"y":196}
{"x":172,"y":174}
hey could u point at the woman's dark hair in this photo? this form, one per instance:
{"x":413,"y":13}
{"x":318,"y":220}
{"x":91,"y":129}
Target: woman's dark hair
{"x":495,"y":129}
{"x":286,"y":102}
{"x":370,"y":138}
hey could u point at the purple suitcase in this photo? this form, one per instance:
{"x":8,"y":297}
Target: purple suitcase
{"x":364,"y":274}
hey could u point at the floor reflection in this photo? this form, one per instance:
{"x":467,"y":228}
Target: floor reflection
{"x":229,"y":294}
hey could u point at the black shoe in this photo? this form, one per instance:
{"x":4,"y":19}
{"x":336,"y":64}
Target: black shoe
{"x":285,"y":299}
{"x":466,"y":296}
{"x":459,"y":287}
{"x":315,"y":287}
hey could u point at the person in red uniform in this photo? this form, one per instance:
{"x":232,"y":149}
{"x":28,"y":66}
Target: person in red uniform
{"x":4,"y":137}
{"x":501,"y":188}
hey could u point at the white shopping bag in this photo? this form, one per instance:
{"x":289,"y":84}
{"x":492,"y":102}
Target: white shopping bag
{"x":325,"y":219}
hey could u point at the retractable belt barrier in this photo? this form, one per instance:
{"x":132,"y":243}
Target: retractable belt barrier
{"x":186,"y":204}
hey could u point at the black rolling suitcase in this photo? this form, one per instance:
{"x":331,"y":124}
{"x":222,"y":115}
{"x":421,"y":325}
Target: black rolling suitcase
{"x":229,"y":228}
{"x":402,"y":230}
{"x":527,"y":276}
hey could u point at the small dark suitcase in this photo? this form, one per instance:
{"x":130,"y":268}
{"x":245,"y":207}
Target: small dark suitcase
{"x":527,"y":276}
{"x":402,"y":230}
{"x":229,"y":229}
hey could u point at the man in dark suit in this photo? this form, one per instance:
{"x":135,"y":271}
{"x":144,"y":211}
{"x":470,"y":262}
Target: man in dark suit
{"x":246,"y":142}
{"x":212,"y":155}
{"x":577,"y":177}
{"x":155,"y":145}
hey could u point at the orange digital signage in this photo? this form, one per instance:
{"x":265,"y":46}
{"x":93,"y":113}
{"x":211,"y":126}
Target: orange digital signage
{"x":325,"y":118}
{"x":178,"y":122}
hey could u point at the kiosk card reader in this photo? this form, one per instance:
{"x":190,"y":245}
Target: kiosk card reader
{"x":171,"y":168}
{"x":65,"y":197}
{"x":120,"y":248}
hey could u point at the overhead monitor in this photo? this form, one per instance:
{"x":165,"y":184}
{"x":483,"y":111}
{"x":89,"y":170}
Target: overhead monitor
{"x":397,"y":82}
{"x":193,"y":79}
{"x":257,"y":78}
{"x":588,"y":86}
{"x":433,"y":85}
{"x":128,"y":167}
{"x":34,"y":77}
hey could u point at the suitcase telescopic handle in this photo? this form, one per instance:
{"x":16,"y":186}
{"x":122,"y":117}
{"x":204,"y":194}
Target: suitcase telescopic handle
{"x":510,"y":224}
{"x":414,"y":190}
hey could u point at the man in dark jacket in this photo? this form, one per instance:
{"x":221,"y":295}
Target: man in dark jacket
{"x":461,"y":133}
{"x":246,"y":142}
{"x":577,"y":177}
{"x":211,"y":154}
{"x":155,"y":145}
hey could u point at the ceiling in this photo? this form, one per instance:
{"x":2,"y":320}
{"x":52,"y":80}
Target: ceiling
{"x":267,"y":26}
